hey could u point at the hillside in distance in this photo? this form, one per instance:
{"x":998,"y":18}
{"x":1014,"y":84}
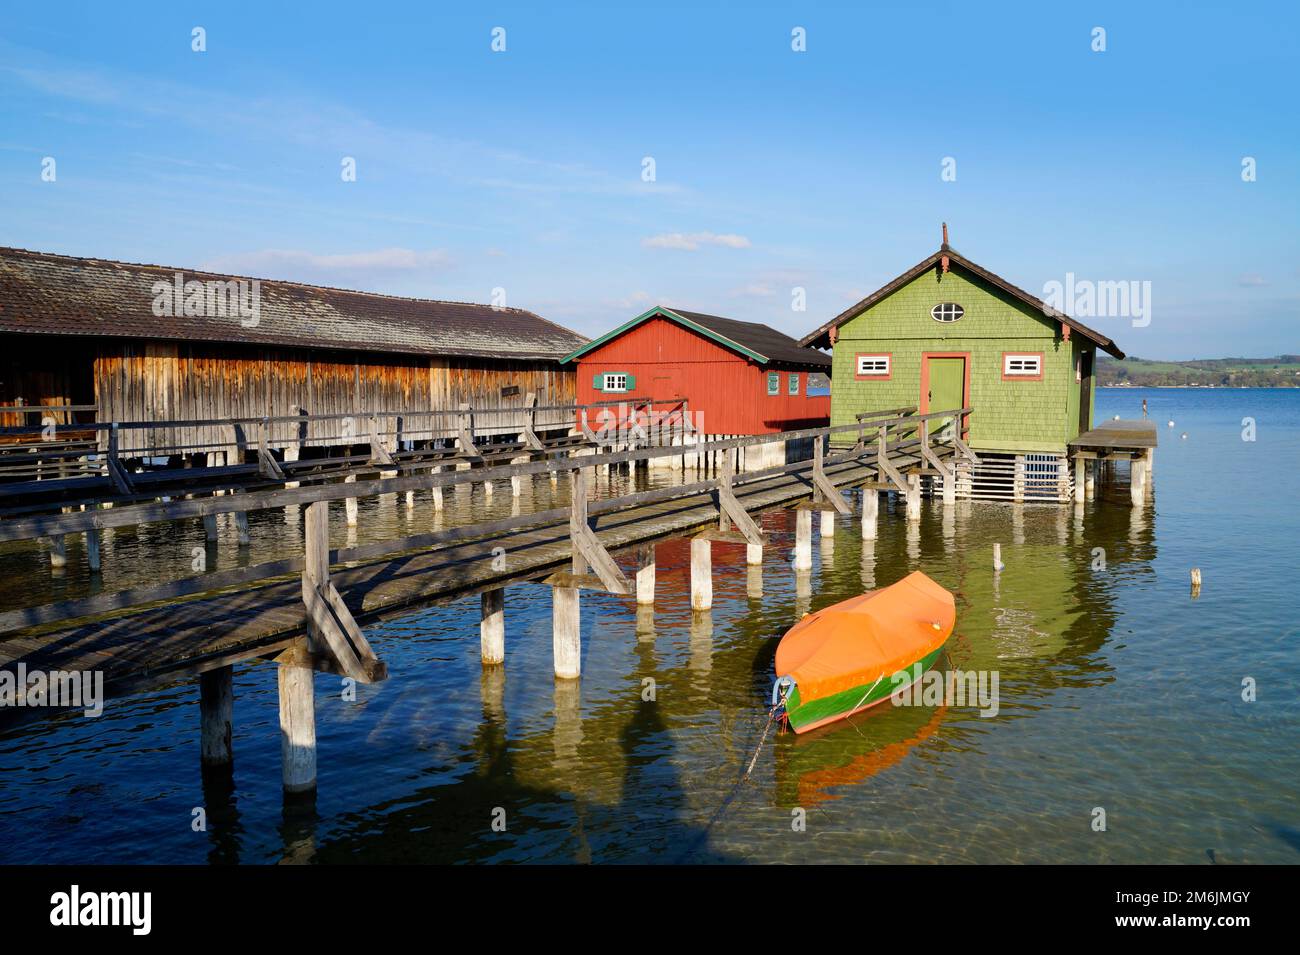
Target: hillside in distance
{"x":1280,"y":372}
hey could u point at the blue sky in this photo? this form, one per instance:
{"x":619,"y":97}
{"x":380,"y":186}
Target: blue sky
{"x":774,"y":169}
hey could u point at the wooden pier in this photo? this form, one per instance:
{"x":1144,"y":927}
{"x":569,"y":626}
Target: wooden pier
{"x":1118,"y":440}
{"x":306,"y":610}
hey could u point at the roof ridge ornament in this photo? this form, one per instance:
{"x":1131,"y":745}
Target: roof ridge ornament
{"x":943,"y":259}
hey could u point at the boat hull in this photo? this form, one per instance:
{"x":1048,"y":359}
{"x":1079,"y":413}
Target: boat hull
{"x":806,"y":716}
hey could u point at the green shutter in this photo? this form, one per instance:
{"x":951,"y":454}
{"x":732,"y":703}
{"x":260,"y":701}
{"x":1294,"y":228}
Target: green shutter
{"x":631,"y":382}
{"x":598,"y":382}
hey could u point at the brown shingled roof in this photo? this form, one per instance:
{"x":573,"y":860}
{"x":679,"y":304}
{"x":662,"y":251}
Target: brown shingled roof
{"x":46,"y":294}
{"x":820,"y":338}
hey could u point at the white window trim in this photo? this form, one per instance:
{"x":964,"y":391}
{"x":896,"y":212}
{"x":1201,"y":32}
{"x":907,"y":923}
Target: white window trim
{"x":609,"y":382}
{"x":881,"y":372}
{"x":1030,"y":365}
{"x":943,"y":308}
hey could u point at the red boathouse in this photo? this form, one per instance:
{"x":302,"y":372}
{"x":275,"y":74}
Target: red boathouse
{"x":739,"y":378}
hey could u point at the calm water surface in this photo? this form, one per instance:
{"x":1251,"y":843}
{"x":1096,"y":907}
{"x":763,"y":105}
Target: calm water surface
{"x":1117,"y":689}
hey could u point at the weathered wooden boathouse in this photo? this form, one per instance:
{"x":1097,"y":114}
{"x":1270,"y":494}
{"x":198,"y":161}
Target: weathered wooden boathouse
{"x":738,"y":378}
{"x":97,"y":340}
{"x":949,"y":333}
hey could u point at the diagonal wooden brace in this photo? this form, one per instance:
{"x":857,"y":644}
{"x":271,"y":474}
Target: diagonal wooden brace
{"x":588,"y":551}
{"x":332,"y":629}
{"x":822,"y":484}
{"x":926,"y":452}
{"x":883,"y":465}
{"x":960,"y":445}
{"x":267,"y":465}
{"x":116,"y":473}
{"x":529,"y":435}
{"x":378,"y":453}
{"x":731,"y":510}
{"x":465,"y":435}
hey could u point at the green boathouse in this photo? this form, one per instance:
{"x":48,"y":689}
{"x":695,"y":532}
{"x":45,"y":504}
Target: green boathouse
{"x":948,"y":333}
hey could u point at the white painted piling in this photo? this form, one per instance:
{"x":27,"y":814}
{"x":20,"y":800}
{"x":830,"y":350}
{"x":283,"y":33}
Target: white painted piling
{"x":914,"y":497}
{"x":210,"y":527}
{"x":1137,"y":482}
{"x":350,"y":505}
{"x":241,"y":527}
{"x":566,"y":632}
{"x":754,"y":555}
{"x":216,"y":716}
{"x":950,"y":488}
{"x":492,"y":627}
{"x":870,"y":513}
{"x":645,"y":577}
{"x":1090,"y":480}
{"x":58,"y":551}
{"x":437,"y":493}
{"x":803,"y":540}
{"x":827,"y":523}
{"x":297,"y":728}
{"x":1080,"y":479}
{"x":701,"y":573}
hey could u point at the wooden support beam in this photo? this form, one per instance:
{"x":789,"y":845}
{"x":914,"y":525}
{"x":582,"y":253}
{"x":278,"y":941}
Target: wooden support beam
{"x":216,"y":716}
{"x":267,"y":466}
{"x":730,"y":510}
{"x":297,"y":728}
{"x":1080,"y":480}
{"x":492,"y":627}
{"x":914,"y":497}
{"x":822,"y":485}
{"x":883,"y":465}
{"x":116,"y":473}
{"x":58,"y":551}
{"x":350,"y":504}
{"x":529,"y":435}
{"x":927,"y":452}
{"x":465,"y":434}
{"x":1137,"y":482}
{"x":701,"y":573}
{"x":378,"y":453}
{"x":588,"y":551}
{"x":330,"y":623}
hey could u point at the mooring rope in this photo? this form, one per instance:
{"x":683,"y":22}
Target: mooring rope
{"x":780,"y":693}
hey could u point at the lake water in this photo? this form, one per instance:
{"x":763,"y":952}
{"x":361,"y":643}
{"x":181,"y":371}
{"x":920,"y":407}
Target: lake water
{"x":1118,"y":690}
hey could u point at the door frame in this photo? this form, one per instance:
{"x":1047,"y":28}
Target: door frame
{"x":924,"y":404}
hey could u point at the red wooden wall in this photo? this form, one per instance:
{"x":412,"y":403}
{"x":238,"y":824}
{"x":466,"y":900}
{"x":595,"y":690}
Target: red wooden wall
{"x":669,"y":361}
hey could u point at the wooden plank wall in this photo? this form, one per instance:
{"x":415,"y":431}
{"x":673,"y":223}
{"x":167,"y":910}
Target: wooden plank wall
{"x":142,"y":381}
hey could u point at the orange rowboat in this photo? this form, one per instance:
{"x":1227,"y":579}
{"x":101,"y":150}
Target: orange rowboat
{"x":854,"y":654}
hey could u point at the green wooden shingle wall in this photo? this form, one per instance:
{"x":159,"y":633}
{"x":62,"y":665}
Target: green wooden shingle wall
{"x":1009,"y":415}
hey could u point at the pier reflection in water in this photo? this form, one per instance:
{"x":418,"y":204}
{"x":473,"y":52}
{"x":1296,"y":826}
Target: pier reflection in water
{"x":1116,"y":689}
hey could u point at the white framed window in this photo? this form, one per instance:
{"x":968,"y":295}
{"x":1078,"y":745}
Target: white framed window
{"x":615,"y":381}
{"x":874,"y":366}
{"x":1020,"y":365}
{"x":794,"y":383}
{"x":773,"y":383}
{"x":947,"y":312}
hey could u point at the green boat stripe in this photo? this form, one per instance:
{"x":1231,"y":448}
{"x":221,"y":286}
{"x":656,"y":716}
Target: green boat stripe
{"x":844,"y":702}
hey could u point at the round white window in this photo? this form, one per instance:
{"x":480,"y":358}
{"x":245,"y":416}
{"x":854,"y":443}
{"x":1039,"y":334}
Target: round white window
{"x":947,"y":312}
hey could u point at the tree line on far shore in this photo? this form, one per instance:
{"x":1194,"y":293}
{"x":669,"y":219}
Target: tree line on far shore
{"x":1280,"y":372}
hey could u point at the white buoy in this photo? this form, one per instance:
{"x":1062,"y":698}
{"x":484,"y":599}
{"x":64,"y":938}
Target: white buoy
{"x":1171,"y":422}
{"x":998,"y":566}
{"x":1184,"y":435}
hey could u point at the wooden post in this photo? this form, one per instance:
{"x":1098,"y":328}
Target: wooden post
{"x":492,"y":627}
{"x":241,"y":526}
{"x":645,"y":576}
{"x":92,"y":549}
{"x":803,"y":540}
{"x":1090,"y":480}
{"x":1018,"y":480}
{"x":216,"y":716}
{"x":1148,"y":473}
{"x":870,"y":512}
{"x":350,"y":505}
{"x":914,"y":497}
{"x":702,"y":573}
{"x":566,"y":632}
{"x":1080,"y":481}
{"x":828,"y":524}
{"x":437,"y":493}
{"x":210,"y":527}
{"x":1137,"y":481}
{"x":297,"y":728}
{"x":754,"y":555}
{"x":950,"y":485}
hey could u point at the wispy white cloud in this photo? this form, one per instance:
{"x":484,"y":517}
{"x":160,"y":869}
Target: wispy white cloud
{"x":692,"y":241}
{"x":331,"y":269}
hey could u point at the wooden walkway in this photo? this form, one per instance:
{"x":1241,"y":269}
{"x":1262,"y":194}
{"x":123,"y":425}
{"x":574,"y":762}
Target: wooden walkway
{"x":305,"y":612}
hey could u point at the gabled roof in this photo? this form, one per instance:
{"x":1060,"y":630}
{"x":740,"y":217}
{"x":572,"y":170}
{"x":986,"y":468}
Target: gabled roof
{"x":760,"y":343}
{"x":46,"y":294}
{"x":821,"y":337}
